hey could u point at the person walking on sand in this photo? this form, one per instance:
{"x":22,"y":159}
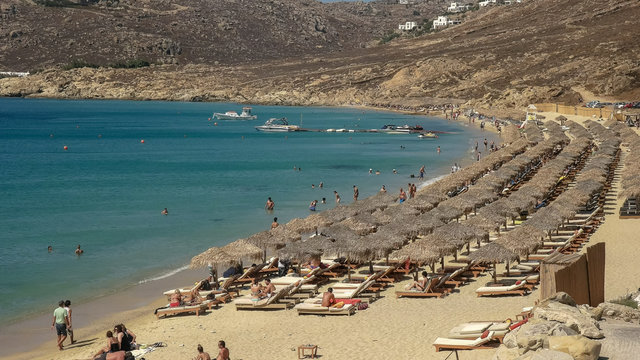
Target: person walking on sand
{"x":201,"y":354}
{"x":356,"y":193}
{"x":60,"y":322}
{"x":485,"y":144}
{"x":223,"y":354}
{"x":79,"y":251}
{"x":165,"y":212}
{"x":270,"y":204}
{"x":337,"y":197}
{"x":67,"y":306}
{"x":274,"y":224}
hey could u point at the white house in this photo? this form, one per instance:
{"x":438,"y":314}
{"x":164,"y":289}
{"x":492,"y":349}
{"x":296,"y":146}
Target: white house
{"x":455,"y":7}
{"x":409,"y":25}
{"x":441,"y":21}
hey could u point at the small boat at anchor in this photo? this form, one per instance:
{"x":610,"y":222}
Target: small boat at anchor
{"x":232,"y":115}
{"x":428,"y":135}
{"x":277,"y":125}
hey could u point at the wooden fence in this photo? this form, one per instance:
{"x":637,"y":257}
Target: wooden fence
{"x":580,"y":276}
{"x":576,"y":110}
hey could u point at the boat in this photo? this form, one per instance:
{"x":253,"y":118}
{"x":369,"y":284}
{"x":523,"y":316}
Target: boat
{"x":404,"y":129}
{"x":277,"y":125}
{"x":428,"y":135}
{"x":232,"y":115}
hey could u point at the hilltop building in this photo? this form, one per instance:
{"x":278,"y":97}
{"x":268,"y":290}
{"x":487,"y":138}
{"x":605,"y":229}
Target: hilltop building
{"x":409,"y":25}
{"x":443,"y":21}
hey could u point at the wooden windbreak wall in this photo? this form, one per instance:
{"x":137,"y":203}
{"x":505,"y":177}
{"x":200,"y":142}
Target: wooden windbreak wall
{"x":575,"y":110}
{"x":583,"y":278}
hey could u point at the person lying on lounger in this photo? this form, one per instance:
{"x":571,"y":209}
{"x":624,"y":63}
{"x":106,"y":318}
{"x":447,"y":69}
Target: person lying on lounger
{"x":420,"y":285}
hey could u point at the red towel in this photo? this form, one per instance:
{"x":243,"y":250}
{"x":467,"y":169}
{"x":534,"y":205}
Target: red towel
{"x":350,"y":301}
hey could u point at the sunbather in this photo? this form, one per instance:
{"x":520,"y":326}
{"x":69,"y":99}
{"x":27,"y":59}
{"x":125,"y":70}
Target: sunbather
{"x":125,"y":343}
{"x":176,"y":299}
{"x":268,"y":289}
{"x":112,"y":346}
{"x":420,"y":285}
{"x":256,"y":290}
{"x":328,"y":298}
{"x":201,"y":354}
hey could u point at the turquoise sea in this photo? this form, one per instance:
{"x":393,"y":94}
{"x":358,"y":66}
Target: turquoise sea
{"x":106,"y":191}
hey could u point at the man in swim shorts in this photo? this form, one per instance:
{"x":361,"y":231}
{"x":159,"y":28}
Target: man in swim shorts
{"x":60,"y":322}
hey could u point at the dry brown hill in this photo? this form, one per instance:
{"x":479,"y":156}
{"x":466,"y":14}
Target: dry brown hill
{"x":507,"y":56}
{"x":190,"y":31}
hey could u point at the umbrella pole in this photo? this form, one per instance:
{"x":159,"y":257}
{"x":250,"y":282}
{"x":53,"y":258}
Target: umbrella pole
{"x":455,"y":256}
{"x":508,"y":268}
{"x":371,"y":267}
{"x":495,"y":272}
{"x":469,"y":248}
{"x":387,"y":260}
{"x":349,"y":270}
{"x":442,"y":263}
{"x":433,"y":267}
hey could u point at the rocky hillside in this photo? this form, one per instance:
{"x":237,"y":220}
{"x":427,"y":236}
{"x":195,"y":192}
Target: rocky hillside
{"x":502,"y":57}
{"x":189,"y":31}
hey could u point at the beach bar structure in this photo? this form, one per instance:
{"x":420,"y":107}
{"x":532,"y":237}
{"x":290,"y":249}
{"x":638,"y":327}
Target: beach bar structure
{"x":579,"y":275}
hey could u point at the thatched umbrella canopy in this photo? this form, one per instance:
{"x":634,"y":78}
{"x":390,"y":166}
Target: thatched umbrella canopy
{"x":382,"y":217}
{"x":494,"y":253}
{"x":308,"y":224}
{"x":461,"y":232}
{"x":420,"y":251}
{"x":230,"y":254}
{"x":522,"y":240}
{"x":400,"y":211}
{"x":302,"y":250}
{"x":378,"y":201}
{"x":561,"y":119}
{"x":510,"y":133}
{"x":483,"y":223}
{"x":462,"y":203}
{"x":338,"y":213}
{"x":358,"y":226}
{"x":339,"y":232}
{"x":446,"y":213}
{"x":426,"y":223}
{"x":403,"y":227}
{"x":214,"y":256}
{"x":419,"y":204}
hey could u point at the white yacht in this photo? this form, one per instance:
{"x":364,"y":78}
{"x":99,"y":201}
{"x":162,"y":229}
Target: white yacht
{"x":277,"y":125}
{"x":232,"y":115}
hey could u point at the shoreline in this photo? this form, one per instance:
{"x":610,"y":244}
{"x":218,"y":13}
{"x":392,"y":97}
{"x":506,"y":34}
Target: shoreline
{"x":142,"y":298}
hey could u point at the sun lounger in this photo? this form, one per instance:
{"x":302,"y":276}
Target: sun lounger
{"x":271,"y":267}
{"x":447,"y":344}
{"x":427,"y":292}
{"x":515,"y":289}
{"x":456,"y":277}
{"x":247,"y":303}
{"x":318,"y":309}
{"x":474,"y":330}
{"x":185,"y":309}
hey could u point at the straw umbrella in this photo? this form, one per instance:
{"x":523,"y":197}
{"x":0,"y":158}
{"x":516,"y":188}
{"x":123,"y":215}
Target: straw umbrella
{"x":561,"y":119}
{"x":420,"y":251}
{"x":494,"y":253}
{"x":308,"y":224}
{"x":460,"y":234}
{"x":230,"y":254}
{"x":357,"y":226}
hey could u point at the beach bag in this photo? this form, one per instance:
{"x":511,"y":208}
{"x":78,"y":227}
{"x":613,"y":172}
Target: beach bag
{"x":363,"y":306}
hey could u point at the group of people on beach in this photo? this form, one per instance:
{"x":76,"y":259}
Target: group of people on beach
{"x":120,"y":342}
{"x":223,"y":352}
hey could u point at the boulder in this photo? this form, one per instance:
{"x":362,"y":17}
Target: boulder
{"x":505,"y":353}
{"x":617,"y":311}
{"x":593,"y":312}
{"x":579,"y":347}
{"x":570,"y":316}
{"x":546,"y":354}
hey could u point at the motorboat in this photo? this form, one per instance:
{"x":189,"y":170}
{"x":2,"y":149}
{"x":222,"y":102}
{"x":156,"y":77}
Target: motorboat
{"x":277,"y":125}
{"x":404,"y":129}
{"x":428,"y":135}
{"x":232,"y":115}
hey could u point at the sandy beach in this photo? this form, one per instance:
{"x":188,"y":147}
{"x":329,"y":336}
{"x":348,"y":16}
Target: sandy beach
{"x":390,"y":327}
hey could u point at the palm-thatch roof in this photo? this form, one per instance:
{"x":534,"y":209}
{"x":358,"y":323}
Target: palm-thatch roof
{"x":308,"y":224}
{"x":493,"y":252}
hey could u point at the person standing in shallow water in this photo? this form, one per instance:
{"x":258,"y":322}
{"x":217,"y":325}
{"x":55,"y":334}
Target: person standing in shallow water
{"x":337,"y":197}
{"x":275,"y":224}
{"x":270,"y":204}
{"x":356,"y":193}
{"x":79,"y":251}
{"x":165,"y":212}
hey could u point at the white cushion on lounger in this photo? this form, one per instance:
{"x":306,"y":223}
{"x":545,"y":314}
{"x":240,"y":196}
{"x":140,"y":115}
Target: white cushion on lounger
{"x":499,"y":288}
{"x":467,"y":328}
{"x":499,"y":327}
{"x":461,"y":342}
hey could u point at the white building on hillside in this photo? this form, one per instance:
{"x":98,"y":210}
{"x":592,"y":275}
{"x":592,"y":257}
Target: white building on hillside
{"x":409,"y":25}
{"x":455,"y":7}
{"x":443,"y":21}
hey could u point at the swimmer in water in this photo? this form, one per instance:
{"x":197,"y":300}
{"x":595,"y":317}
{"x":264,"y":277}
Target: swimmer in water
{"x":383,"y":189}
{"x":324,"y":200}
{"x":275,"y":224}
{"x":270,"y":204}
{"x":312,"y":206}
{"x":337,"y":197}
{"x":438,"y":149}
{"x":377,"y":172}
{"x":50,"y":248}
{"x":165,"y":212}
{"x":370,"y":171}
{"x":321,"y":185}
{"x":79,"y":251}
{"x":313,"y":186}
{"x":394,"y":171}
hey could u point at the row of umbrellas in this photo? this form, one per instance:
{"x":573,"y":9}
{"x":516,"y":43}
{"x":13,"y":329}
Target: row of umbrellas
{"x":372,"y":228}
